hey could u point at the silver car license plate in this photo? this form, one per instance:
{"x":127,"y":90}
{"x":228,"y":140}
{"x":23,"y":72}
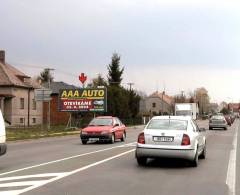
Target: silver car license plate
{"x":162,"y":139}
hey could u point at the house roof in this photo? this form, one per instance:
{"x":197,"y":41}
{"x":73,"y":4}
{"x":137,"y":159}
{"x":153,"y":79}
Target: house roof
{"x":10,"y":76}
{"x":56,"y":86}
{"x":166,"y":98}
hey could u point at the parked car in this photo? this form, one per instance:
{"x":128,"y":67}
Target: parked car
{"x":171,"y":137}
{"x":236,"y":114}
{"x":104,"y":128}
{"x":228,"y":119}
{"x":218,"y":121}
{"x":3,"y":145}
{"x":232,"y":118}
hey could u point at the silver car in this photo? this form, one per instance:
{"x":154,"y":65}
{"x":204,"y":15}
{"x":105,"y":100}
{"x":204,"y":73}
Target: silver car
{"x":171,"y":137}
{"x":218,"y":121}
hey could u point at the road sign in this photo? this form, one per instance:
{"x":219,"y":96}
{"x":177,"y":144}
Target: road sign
{"x":82,"y":78}
{"x":42,"y":94}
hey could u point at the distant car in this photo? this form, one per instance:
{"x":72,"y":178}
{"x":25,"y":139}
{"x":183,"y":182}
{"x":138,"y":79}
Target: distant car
{"x":236,"y":114}
{"x":232,"y":117}
{"x":104,"y":128}
{"x":171,"y":137}
{"x":228,"y":119}
{"x":218,"y":121}
{"x":219,"y":113}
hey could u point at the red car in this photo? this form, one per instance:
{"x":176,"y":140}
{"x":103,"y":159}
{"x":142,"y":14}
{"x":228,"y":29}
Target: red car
{"x":104,"y":128}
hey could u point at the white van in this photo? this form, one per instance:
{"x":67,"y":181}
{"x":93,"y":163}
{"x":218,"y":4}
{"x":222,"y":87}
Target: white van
{"x":3,"y":145}
{"x":187,"y":109}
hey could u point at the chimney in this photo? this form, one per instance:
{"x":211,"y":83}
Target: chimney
{"x":2,"y":56}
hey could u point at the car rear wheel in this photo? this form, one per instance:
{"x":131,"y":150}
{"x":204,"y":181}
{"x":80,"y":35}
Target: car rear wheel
{"x":204,"y":152}
{"x":84,"y":141}
{"x":112,"y":140}
{"x":194,"y":163}
{"x":142,"y":161}
{"x":123,"y":136}
{"x":225,"y":128}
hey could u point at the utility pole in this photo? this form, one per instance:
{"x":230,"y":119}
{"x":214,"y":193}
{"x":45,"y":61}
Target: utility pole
{"x":163,"y":93}
{"x":49,"y":102}
{"x":162,"y":103}
{"x":182,"y":94}
{"x":130,"y":85}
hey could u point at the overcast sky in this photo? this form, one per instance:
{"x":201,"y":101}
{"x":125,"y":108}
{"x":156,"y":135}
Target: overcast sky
{"x":181,"y":45}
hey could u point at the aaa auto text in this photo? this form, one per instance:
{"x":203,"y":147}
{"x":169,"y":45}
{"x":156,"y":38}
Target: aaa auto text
{"x":83,"y":93}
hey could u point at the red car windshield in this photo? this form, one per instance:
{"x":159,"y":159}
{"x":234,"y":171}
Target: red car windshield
{"x":101,"y":122}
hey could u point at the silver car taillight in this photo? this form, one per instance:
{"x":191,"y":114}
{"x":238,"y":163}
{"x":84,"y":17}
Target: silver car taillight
{"x":185,"y":140}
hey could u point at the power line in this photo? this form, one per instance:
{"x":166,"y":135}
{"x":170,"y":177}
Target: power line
{"x":43,"y":67}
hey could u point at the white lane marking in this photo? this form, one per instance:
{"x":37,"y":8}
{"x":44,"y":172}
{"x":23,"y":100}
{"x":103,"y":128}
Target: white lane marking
{"x":43,"y":178}
{"x":75,"y":171}
{"x":20,"y":183}
{"x":231,"y":173}
{"x":12,"y":192}
{"x":31,"y":176}
{"x":129,"y":145}
{"x":63,"y":159}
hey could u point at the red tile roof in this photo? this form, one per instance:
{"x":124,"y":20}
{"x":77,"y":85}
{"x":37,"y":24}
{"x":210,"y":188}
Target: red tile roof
{"x":168,"y":99}
{"x":10,"y":76}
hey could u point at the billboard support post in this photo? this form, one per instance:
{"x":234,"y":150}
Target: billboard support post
{"x":69,"y":124}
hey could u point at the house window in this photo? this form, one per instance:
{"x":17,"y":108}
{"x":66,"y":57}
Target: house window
{"x":21,"y":103}
{"x":34,"y":104}
{"x":21,"y":120}
{"x":33,"y":120}
{"x":154,"y":105}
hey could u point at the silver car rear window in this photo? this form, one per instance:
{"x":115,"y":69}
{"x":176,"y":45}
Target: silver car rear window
{"x":217,"y":117}
{"x":166,"y":124}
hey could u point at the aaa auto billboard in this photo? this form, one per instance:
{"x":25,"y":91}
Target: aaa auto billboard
{"x":84,"y":99}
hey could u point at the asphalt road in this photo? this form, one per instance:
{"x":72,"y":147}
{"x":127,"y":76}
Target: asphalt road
{"x":63,"y":166}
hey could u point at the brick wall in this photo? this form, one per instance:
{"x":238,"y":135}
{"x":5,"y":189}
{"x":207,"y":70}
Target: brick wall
{"x":57,"y":118}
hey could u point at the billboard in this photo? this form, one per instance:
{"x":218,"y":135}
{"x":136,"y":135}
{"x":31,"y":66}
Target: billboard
{"x":82,"y":100}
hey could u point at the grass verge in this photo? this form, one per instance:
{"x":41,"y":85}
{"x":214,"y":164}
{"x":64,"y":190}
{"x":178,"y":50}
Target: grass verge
{"x":37,"y":132}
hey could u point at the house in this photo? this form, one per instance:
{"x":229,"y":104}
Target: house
{"x":17,"y":96}
{"x":234,"y":107}
{"x":223,"y":105}
{"x":56,"y":117}
{"x":157,"y":104}
{"x":213,"y":108}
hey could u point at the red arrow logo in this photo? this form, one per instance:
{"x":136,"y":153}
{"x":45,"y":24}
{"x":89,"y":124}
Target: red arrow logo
{"x":82,"y":78}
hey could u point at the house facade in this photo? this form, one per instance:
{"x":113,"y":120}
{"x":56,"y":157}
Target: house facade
{"x":157,"y":104}
{"x":214,"y":108}
{"x":17,"y":101}
{"x":56,"y":117}
{"x":234,"y":107}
